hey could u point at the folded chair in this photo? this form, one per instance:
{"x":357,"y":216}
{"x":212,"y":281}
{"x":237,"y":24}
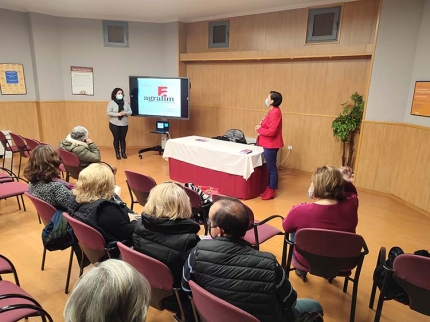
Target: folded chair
{"x":6,"y":267}
{"x":213,"y":309}
{"x":158,"y":275}
{"x":412,"y":272}
{"x":7,"y":147}
{"x":329,"y":254}
{"x":140,"y":185}
{"x":24,"y":151}
{"x":91,"y":242}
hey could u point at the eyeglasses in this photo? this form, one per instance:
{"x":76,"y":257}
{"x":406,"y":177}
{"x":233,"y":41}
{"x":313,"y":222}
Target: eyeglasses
{"x":208,"y":221}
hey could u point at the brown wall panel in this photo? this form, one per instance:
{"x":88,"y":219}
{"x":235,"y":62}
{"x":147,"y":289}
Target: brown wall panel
{"x":20,"y":118}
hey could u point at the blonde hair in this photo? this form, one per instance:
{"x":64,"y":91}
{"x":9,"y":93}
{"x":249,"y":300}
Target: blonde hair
{"x":168,"y":200}
{"x":328,"y":183}
{"x":95,"y":182}
{"x":112,"y":291}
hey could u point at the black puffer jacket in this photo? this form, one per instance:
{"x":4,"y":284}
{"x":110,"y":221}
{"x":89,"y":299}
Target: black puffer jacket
{"x":234,"y":271}
{"x":169,"y":241}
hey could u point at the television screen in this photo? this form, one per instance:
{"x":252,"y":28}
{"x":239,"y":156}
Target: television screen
{"x":160,"y":97}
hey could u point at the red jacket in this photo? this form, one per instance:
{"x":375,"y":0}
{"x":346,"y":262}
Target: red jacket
{"x":270,"y":132}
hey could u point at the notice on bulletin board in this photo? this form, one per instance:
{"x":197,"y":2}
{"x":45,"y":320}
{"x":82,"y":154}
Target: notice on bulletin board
{"x":421,"y":100}
{"x":82,"y":80}
{"x":12,"y":81}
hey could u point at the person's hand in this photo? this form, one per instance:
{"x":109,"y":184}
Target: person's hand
{"x":257,"y":127}
{"x":346,"y":173}
{"x":122,"y":113}
{"x":88,"y":141}
{"x":132,"y":217}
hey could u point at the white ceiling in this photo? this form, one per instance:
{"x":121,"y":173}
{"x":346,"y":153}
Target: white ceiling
{"x":156,"y":10}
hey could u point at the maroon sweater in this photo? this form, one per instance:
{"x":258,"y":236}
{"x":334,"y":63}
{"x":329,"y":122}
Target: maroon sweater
{"x":342,"y":216}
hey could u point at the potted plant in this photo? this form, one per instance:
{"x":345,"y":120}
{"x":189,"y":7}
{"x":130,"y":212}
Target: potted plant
{"x":347,"y":125}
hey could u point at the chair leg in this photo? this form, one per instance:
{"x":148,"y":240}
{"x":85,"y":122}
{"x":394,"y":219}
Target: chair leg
{"x":19,"y":164}
{"x":345,"y":284}
{"x":39,"y":218}
{"x":19,"y":203}
{"x":23,"y":203}
{"x":43,"y":259}
{"x":69,"y":270}
{"x":16,"y":278}
{"x":353,"y":301}
{"x":4,"y":157}
{"x":67,"y":176}
{"x":372,"y":296}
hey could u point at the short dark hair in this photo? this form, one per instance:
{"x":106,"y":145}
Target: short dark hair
{"x":116,"y":90}
{"x":231,"y":217}
{"x":276,"y":97}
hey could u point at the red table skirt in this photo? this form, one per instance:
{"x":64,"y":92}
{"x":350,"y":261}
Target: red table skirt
{"x":228,"y":184}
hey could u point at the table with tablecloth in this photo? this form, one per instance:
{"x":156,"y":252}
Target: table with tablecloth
{"x":217,"y":163}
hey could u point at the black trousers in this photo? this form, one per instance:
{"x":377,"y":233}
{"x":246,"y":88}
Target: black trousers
{"x":119,"y":133}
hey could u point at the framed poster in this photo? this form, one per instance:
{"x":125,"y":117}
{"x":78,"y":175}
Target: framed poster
{"x":421,"y":99}
{"x":82,"y":80}
{"x":12,"y":80}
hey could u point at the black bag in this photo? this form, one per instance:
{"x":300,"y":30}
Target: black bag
{"x":394,"y":290}
{"x":58,"y":235}
{"x":309,"y":317}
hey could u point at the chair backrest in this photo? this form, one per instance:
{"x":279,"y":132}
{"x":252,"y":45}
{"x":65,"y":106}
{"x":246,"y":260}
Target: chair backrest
{"x":328,"y":252}
{"x":140,"y":184}
{"x":214,"y":309}
{"x":20,"y":143}
{"x":44,"y":209}
{"x":71,"y":163}
{"x":4,"y":140}
{"x":158,"y":274}
{"x":31,"y":143}
{"x":196,"y":201}
{"x":90,"y":240}
{"x":412,"y":272}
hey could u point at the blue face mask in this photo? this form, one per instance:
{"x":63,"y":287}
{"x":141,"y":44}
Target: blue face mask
{"x":119,"y":97}
{"x":267,"y":102}
{"x":311,"y":193}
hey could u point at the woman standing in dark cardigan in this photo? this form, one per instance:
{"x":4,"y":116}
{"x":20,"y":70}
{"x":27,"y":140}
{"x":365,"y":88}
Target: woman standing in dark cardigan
{"x":118,"y":111}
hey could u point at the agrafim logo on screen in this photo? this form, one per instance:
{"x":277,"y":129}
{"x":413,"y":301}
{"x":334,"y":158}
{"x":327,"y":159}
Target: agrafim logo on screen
{"x":162,"y":96}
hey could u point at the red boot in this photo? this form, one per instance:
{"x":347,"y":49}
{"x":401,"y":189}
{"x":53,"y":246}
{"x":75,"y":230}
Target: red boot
{"x":269,"y":195}
{"x":265,"y":191}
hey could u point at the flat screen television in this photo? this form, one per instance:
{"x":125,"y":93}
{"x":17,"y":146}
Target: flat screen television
{"x":161,"y":97}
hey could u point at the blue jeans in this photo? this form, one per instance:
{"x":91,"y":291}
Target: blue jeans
{"x":270,"y":156}
{"x":308,"y":305}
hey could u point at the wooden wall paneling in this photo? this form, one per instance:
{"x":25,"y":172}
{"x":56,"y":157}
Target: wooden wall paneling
{"x":248,"y":32}
{"x":20,"y":118}
{"x":329,"y":149}
{"x":197,"y":37}
{"x":245,"y":89}
{"x":367,"y":163}
{"x":363,"y":21}
{"x":374,"y":30}
{"x":281,"y":29}
{"x":346,"y":24}
{"x":182,"y":48}
{"x":54,"y":121}
{"x":425,"y":176}
{"x":301,"y":29}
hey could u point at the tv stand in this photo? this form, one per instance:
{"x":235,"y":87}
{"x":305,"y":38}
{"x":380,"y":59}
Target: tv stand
{"x":157,"y":148}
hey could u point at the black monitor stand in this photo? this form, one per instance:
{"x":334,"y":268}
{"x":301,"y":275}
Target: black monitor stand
{"x":158,"y":148}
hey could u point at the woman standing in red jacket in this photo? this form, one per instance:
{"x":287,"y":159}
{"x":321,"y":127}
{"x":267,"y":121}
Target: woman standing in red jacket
{"x":270,"y":138}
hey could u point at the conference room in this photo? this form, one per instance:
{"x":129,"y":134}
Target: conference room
{"x":60,"y":62}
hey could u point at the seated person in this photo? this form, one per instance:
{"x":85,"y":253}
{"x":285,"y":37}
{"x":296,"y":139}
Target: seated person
{"x":43,"y":175}
{"x":230,"y":268}
{"x":111,"y":291}
{"x":92,"y":204}
{"x":168,"y":234}
{"x":335,"y":206}
{"x":80,"y":144}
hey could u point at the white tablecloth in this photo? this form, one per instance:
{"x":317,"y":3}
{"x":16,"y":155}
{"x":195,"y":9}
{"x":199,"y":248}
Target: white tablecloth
{"x":215,"y":154}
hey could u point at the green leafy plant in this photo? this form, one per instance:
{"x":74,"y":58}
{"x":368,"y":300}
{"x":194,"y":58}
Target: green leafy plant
{"x":347,"y":125}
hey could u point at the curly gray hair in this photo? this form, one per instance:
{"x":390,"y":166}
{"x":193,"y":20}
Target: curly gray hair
{"x":79,"y":133}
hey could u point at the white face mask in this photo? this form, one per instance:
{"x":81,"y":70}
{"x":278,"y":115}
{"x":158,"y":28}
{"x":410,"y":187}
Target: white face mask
{"x":267,"y":102}
{"x":119,"y":97}
{"x":311,"y":193}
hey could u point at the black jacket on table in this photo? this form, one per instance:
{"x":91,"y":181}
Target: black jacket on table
{"x":243,"y":276}
{"x":107,"y":217}
{"x":169,"y":241}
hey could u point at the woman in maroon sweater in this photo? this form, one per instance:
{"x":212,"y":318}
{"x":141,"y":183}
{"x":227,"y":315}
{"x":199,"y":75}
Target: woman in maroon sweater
{"x":270,"y":138}
{"x":335,"y":206}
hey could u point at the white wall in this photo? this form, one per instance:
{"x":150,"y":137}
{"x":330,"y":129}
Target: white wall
{"x":48,"y":46}
{"x":399,"y":27}
{"x":421,"y":70}
{"x":15,"y":48}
